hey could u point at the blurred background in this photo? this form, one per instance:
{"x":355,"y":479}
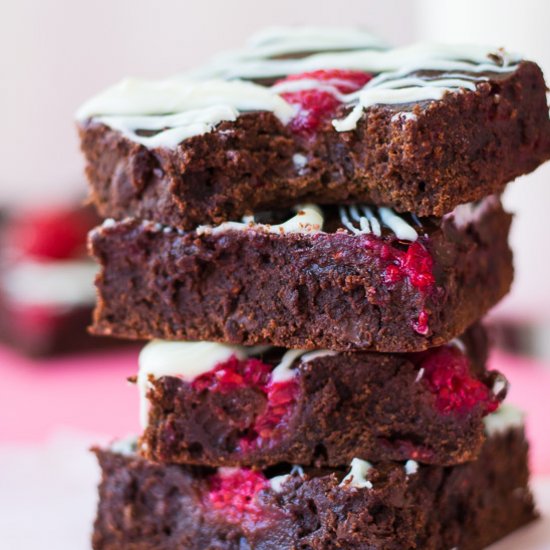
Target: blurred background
{"x":55,"y":54}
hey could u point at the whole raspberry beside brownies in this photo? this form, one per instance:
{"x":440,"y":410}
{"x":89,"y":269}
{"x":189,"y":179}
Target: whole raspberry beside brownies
{"x":309,"y":231}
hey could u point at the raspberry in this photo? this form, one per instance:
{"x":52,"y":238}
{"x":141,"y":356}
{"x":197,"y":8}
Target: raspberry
{"x":50,"y":235}
{"x":343,"y":80}
{"x":447,"y":375}
{"x":253,"y":373}
{"x":412,"y":450}
{"x":233,"y":491}
{"x":233,"y":374}
{"x":316,"y":105}
{"x":417,"y":265}
{"x":421,"y":324}
{"x":280,"y":398}
{"x":414,"y":264}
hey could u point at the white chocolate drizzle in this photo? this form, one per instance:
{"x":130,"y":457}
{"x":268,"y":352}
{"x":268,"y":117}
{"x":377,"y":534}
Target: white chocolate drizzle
{"x":499,"y":385}
{"x":276,"y":483}
{"x":186,"y":360}
{"x":466,"y":214}
{"x":170,"y":129}
{"x":312,"y":355}
{"x":358,"y":219}
{"x":411,"y":467}
{"x":398,"y":225}
{"x":357,"y":476}
{"x":277,"y":41}
{"x":308,"y":219}
{"x":136,"y":97}
{"x":283,"y":371}
{"x":178,"y":108}
{"x":458,"y":344}
{"x":189,"y":360}
{"x":164,"y":113}
{"x":419,"y":375}
{"x":125,"y":446}
{"x":458,"y":60}
{"x":361,"y":219}
{"x":505,"y":418}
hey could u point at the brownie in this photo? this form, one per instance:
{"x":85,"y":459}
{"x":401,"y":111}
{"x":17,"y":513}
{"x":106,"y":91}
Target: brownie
{"x":47,"y":293}
{"x":249,"y":407}
{"x":43,"y":332}
{"x":424,"y":156}
{"x":300,"y":285}
{"x":389,"y":505}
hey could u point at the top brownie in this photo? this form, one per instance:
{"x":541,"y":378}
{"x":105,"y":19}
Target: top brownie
{"x":324,"y":116}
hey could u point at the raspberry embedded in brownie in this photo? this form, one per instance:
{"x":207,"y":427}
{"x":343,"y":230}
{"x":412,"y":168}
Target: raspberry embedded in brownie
{"x":318,"y":104}
{"x":257,"y":407}
{"x":446,"y":372}
{"x":233,"y":492}
{"x":252,"y":373}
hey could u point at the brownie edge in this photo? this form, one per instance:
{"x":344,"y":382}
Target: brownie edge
{"x":146,"y":506}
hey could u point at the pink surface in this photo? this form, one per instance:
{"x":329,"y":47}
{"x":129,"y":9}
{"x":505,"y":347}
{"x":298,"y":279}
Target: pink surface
{"x":90,"y":393}
{"x":530,"y":390}
{"x":87,"y":393}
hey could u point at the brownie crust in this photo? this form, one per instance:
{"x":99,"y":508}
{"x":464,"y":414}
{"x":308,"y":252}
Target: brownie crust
{"x":145,"y":506}
{"x":365,"y":405}
{"x":424,"y":158}
{"x":294,"y":290}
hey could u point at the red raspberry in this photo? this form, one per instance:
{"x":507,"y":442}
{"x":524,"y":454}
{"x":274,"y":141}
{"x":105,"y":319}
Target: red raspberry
{"x":421,"y":324}
{"x":316,"y":105}
{"x":50,"y":235}
{"x":253,"y":373}
{"x":234,"y":493}
{"x":447,"y":375}
{"x":232,"y":374}
{"x":345,"y":81}
{"x":414,"y":264}
{"x":281,"y":397}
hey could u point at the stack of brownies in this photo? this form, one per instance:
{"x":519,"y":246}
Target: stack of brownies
{"x":309,"y":231}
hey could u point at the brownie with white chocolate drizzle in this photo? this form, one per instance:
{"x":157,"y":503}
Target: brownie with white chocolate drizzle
{"x":419,"y":129}
{"x":219,"y":405}
{"x":348,"y":278}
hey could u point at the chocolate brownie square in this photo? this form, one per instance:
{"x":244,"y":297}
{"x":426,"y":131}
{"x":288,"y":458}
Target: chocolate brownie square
{"x":348,"y":278}
{"x":420,"y":129}
{"x":218,"y":405}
